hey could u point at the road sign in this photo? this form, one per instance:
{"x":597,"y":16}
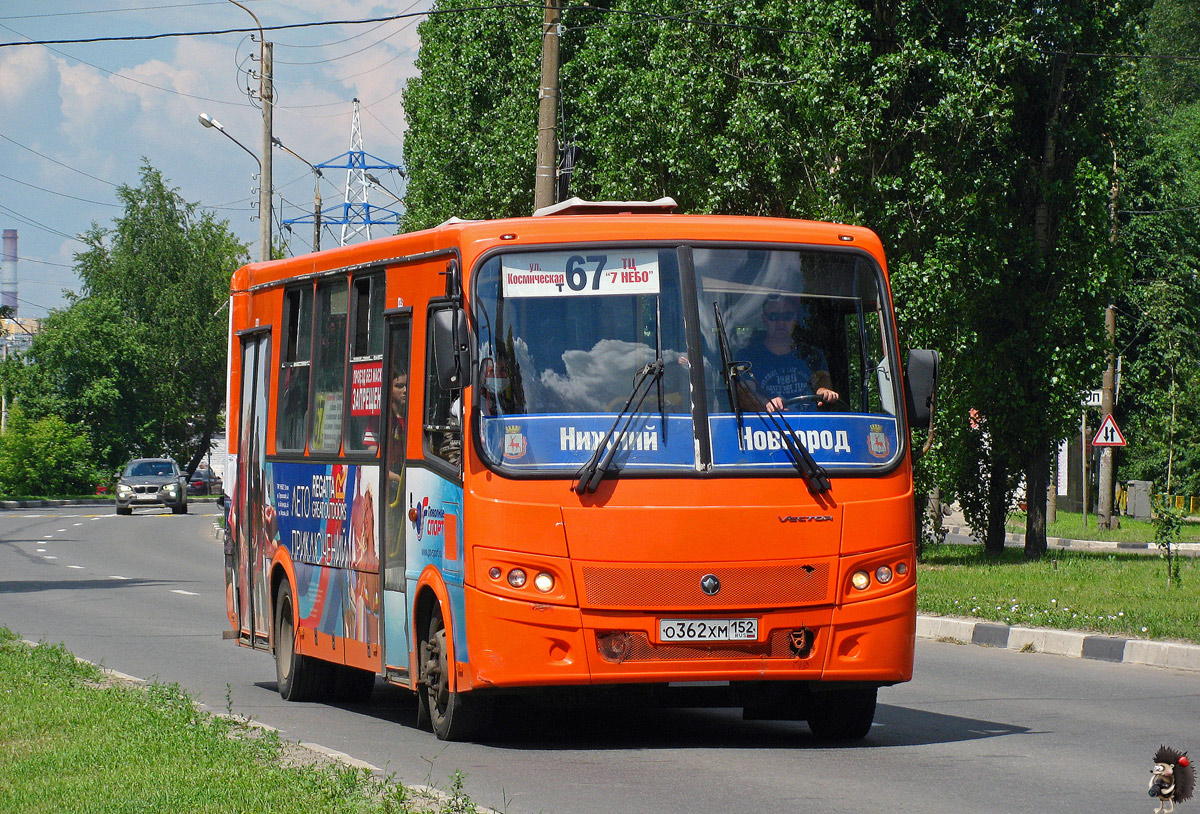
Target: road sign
{"x":1093,"y":398}
{"x":1109,"y":434}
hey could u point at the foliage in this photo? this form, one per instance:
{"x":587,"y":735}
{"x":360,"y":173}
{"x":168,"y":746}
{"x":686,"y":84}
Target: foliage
{"x":976,"y":138}
{"x":471,"y":144}
{"x":46,"y":456}
{"x":1168,"y":524}
{"x":139,"y":358}
{"x":1160,"y":328}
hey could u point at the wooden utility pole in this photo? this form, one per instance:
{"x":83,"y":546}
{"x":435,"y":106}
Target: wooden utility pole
{"x":266,"y":93}
{"x":547,"y":146}
{"x":1105,"y":503}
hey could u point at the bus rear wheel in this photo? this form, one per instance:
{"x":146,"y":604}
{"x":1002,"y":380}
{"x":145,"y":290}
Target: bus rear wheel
{"x":453,"y":716}
{"x":842,"y":715}
{"x":300,"y":677}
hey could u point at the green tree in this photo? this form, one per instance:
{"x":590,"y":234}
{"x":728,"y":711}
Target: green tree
{"x":975,"y":137}
{"x":45,"y":457}
{"x":89,"y":364}
{"x":471,"y":143}
{"x":1160,"y":393}
{"x":140,"y":356}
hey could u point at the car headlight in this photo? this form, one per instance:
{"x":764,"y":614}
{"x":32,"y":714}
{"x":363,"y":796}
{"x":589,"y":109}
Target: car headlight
{"x":124,"y":490}
{"x":171,"y":488}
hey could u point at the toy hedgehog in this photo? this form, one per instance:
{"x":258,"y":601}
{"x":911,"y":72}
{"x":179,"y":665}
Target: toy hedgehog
{"x":1172,"y":779}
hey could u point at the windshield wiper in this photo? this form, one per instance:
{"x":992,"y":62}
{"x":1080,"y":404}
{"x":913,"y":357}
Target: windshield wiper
{"x":589,"y":475}
{"x":730,"y":370}
{"x":814,"y":474}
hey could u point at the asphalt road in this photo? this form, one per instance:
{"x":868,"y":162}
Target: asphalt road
{"x":977,"y":730}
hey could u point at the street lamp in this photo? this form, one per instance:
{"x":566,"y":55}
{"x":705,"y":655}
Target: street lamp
{"x":264,"y":232}
{"x":316,"y":191}
{"x":209,"y":121}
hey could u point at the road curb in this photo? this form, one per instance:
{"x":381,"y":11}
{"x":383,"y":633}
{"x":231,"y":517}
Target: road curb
{"x":1072,"y":643}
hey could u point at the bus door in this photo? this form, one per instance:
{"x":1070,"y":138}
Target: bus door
{"x":392,"y":487}
{"x":250,"y":535}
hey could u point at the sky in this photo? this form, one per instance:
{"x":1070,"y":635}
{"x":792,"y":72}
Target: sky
{"x":77,"y":120}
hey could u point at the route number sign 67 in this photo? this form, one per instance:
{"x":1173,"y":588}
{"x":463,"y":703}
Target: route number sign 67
{"x":579,"y":274}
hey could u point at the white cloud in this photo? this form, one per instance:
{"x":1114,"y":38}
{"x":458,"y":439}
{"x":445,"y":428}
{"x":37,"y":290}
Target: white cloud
{"x":24,"y":72}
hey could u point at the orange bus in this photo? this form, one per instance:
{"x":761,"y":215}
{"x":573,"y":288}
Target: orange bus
{"x":602,"y":446}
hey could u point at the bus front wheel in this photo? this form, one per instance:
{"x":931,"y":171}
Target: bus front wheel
{"x":842,"y":715}
{"x":300,"y":677}
{"x":453,"y":716}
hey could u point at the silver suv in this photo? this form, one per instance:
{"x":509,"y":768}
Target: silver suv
{"x":151,"y":482}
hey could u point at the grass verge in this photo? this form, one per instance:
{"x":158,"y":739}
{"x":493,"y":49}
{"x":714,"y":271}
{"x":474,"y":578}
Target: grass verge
{"x":72,"y":739}
{"x":1117,"y":594}
{"x":1070,"y":525}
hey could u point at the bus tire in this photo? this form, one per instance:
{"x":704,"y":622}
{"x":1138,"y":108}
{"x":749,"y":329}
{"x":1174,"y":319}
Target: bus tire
{"x":842,"y":715}
{"x":453,"y":716}
{"x":300,"y":678}
{"x":353,"y":685}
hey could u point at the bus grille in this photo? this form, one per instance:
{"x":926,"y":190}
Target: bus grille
{"x":636,"y":646}
{"x":679,"y":587}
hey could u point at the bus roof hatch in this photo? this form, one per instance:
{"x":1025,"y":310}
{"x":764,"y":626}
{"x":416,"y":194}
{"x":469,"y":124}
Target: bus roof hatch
{"x":578,"y":206}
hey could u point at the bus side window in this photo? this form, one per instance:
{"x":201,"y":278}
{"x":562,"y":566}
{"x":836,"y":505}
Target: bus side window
{"x":294,"y":370}
{"x":329,"y":366}
{"x":366,"y":365}
{"x":443,"y":409}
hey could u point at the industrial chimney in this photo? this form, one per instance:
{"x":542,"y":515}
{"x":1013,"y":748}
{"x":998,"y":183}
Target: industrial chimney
{"x":8,"y":272}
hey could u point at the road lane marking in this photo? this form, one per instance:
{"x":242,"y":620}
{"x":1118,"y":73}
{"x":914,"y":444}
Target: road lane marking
{"x":51,"y":557}
{"x":76,"y":566}
{"x":184,"y":593}
{"x":114,"y":576}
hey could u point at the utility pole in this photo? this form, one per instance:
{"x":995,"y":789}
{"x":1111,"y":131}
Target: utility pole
{"x":1105,"y":503}
{"x":547,"y":146}
{"x":266,"y":95}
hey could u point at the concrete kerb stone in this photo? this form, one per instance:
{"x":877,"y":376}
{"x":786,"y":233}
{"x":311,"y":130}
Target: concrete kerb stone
{"x":1071,"y":643}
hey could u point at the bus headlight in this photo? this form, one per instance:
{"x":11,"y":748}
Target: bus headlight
{"x":860,"y":580}
{"x":544,"y":582}
{"x":883,"y":574}
{"x":516,"y":577}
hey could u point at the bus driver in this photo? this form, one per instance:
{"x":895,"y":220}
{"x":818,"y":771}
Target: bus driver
{"x":783,"y":366}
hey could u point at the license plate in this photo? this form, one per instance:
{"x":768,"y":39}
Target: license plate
{"x":707,"y":630}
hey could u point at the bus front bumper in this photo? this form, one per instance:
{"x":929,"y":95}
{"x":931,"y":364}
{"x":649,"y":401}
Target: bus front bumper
{"x":522,"y":644}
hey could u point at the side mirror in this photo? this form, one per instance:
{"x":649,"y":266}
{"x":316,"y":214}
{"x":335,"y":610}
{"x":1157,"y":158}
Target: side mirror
{"x":451,"y":355}
{"x":920,"y":387}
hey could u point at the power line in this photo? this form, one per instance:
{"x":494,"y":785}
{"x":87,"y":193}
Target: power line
{"x":113,"y":10}
{"x":60,"y":194}
{"x":282,"y":27}
{"x":56,"y":161}
{"x":28,"y":221}
{"x":44,"y":263}
{"x":399,"y":30}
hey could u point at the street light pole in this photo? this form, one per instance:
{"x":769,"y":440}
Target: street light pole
{"x":264,"y":190}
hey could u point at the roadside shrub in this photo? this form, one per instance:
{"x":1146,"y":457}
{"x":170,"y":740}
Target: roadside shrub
{"x":45,"y":457}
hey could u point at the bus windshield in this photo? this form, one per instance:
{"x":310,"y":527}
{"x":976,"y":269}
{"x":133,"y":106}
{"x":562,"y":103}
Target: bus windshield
{"x":562,"y":337}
